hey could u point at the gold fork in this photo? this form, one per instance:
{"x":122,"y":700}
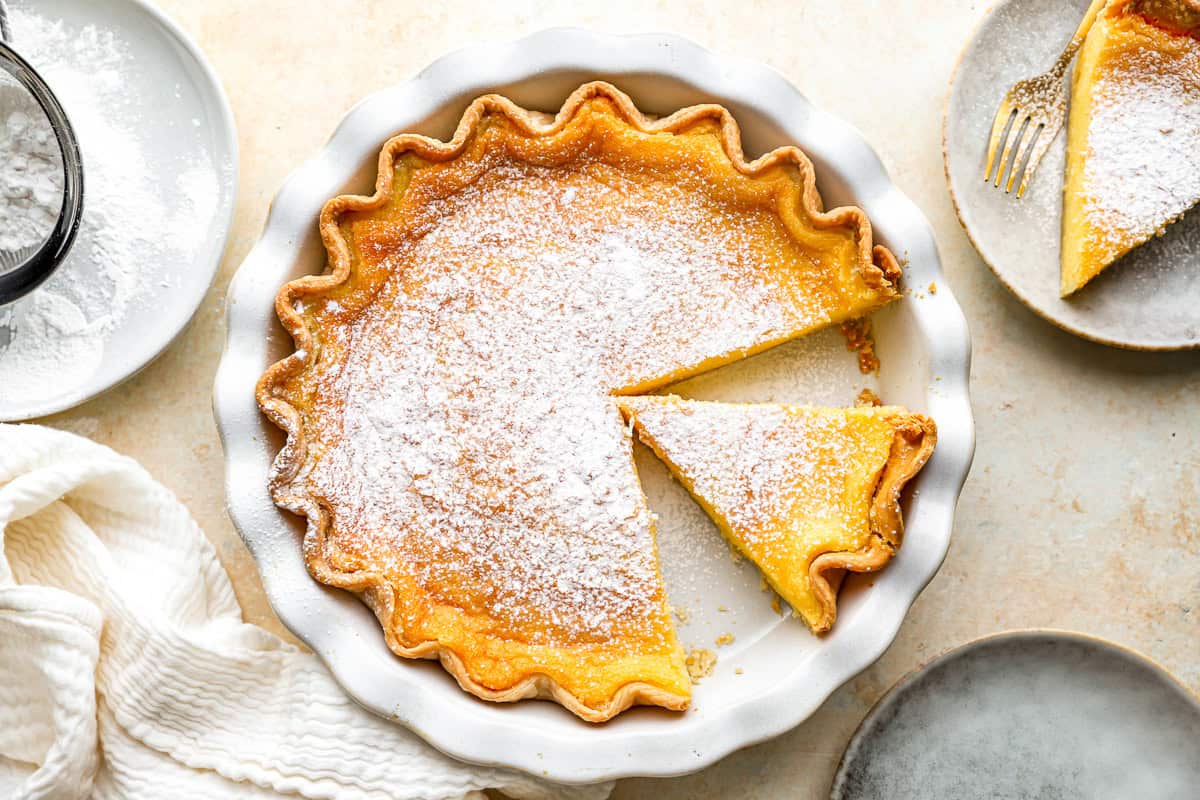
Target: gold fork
{"x":1032,"y":114}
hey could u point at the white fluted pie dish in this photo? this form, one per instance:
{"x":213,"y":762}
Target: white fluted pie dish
{"x":776,"y":673}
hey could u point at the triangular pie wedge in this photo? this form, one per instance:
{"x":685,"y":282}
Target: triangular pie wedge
{"x":807,"y":494}
{"x":1133,"y":134}
{"x":452,"y":438}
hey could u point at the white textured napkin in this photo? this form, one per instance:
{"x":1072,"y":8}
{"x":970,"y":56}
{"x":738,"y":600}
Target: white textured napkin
{"x":126,"y":670}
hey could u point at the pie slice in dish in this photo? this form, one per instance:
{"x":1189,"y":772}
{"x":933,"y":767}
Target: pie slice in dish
{"x":805,"y":493}
{"x":1133,"y":136}
{"x":452,"y":437}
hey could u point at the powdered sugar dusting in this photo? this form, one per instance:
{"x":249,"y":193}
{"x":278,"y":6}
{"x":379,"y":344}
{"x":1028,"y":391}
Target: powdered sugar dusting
{"x":463,"y":423}
{"x":1143,"y":164}
{"x":757,"y":464}
{"x":31,"y":173}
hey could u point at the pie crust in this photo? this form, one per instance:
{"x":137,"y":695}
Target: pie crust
{"x":452,"y":437}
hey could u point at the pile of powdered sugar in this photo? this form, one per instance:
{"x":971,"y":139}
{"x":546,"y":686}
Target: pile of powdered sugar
{"x":31,"y":169}
{"x":134,"y":221}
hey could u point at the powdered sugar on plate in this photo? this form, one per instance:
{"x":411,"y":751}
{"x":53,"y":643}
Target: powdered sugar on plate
{"x":138,"y":224}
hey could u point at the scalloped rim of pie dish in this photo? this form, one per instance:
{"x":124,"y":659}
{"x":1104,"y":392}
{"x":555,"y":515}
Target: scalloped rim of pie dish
{"x":877,"y":265}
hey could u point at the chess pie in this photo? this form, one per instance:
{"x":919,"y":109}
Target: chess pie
{"x":807,"y":494}
{"x":1133,"y":135}
{"x":453,"y":438}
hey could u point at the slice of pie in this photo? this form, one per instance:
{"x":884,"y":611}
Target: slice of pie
{"x":452,"y":437}
{"x":805,"y":493}
{"x":1133,"y":136}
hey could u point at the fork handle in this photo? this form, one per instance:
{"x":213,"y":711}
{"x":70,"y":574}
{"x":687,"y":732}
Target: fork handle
{"x":1060,"y":66}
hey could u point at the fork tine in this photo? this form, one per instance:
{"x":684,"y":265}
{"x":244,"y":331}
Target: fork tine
{"x":1037,"y":149}
{"x":1000,"y":130}
{"x":1021,"y":155}
{"x":1010,"y":148}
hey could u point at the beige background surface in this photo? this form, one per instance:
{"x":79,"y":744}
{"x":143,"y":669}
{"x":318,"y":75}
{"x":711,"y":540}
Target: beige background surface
{"x":1081,"y":511}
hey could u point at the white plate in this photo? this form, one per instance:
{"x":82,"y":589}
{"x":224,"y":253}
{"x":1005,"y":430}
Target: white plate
{"x":1029,"y":714}
{"x":785,"y":672}
{"x":1148,"y":299}
{"x":178,"y":108}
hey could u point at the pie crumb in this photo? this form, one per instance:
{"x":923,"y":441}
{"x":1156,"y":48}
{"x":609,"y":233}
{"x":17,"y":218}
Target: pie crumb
{"x":735,"y":555}
{"x":723,"y":609}
{"x":775,"y":605}
{"x":932,"y":287}
{"x":858,"y":337}
{"x":724,"y":639}
{"x":738,"y":671}
{"x":700,"y":663}
{"x":682,"y":614}
{"x":867,"y":398}
{"x":763,"y":586}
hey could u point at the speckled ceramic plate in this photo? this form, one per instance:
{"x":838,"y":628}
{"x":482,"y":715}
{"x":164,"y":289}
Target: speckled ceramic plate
{"x":1027,"y":715}
{"x":1150,"y":300}
{"x":776,"y":673}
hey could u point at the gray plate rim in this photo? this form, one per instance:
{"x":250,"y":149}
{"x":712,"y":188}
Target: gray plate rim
{"x":909,"y":679}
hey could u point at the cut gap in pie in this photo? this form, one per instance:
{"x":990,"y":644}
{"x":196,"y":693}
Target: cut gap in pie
{"x":1133,"y":135}
{"x":452,"y":438}
{"x":807,"y":494}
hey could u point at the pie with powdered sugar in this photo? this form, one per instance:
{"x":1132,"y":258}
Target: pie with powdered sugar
{"x":807,"y":494}
{"x":453,"y":435}
{"x":1133,"y":135}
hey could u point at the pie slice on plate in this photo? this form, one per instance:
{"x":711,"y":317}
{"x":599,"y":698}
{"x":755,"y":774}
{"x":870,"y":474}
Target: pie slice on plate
{"x":1133,"y":135}
{"x":452,"y":438}
{"x":807,"y":494}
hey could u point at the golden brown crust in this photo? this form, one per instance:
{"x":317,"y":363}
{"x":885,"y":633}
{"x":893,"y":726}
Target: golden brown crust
{"x":380,"y":597}
{"x":877,"y":265}
{"x":913,"y":444}
{"x":1177,"y":16}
